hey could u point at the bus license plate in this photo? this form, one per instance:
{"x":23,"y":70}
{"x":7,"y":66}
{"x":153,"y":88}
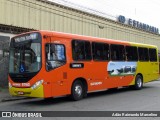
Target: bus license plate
{"x":20,"y":93}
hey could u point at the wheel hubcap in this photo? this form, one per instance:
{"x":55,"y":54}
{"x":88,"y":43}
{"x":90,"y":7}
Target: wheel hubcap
{"x":78,"y":90}
{"x":139,"y":82}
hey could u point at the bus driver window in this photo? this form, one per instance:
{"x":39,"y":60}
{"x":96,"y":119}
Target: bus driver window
{"x":55,"y":56}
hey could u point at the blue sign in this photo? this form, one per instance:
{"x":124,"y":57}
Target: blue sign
{"x":22,"y":69}
{"x":121,"y":19}
{"x":138,"y":24}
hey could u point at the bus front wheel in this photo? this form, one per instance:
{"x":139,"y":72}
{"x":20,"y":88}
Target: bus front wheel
{"x":138,"y":82}
{"x":77,"y":92}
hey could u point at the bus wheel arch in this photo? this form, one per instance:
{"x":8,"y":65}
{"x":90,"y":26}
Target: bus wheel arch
{"x":138,"y":81}
{"x":79,"y":89}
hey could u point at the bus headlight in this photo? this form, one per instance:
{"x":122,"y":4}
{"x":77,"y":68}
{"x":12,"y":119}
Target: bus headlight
{"x":9,"y":84}
{"x":37,"y":84}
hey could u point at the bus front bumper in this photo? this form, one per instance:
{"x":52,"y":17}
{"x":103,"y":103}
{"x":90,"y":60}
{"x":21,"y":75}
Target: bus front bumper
{"x":27,"y":92}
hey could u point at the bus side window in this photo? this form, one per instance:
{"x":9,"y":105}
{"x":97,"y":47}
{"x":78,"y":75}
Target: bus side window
{"x":131,"y":53}
{"x":143,"y":54}
{"x":100,"y":51}
{"x":81,"y":50}
{"x":153,"y":54}
{"x":117,"y":52}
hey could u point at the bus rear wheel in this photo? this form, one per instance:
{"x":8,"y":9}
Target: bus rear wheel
{"x":138,"y":82}
{"x":77,"y":91}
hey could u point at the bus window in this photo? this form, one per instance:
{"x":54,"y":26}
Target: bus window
{"x":81,"y":50}
{"x":100,"y":51}
{"x":152,"y":54}
{"x":117,"y":52}
{"x":131,"y":53}
{"x":143,"y":54}
{"x":55,"y":56}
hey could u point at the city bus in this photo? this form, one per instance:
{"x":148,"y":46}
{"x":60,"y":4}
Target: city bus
{"x":47,"y":64}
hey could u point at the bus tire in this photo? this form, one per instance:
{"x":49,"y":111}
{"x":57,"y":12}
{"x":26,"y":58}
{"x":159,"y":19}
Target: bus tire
{"x":138,"y":82}
{"x":77,"y":91}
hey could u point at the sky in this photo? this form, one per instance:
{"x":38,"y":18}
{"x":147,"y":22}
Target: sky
{"x":145,"y":11}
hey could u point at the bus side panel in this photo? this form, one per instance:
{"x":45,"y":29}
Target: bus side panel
{"x":96,"y":73}
{"x":60,"y":81}
{"x":120,"y":73}
{"x":154,"y":71}
{"x":149,"y":71}
{"x":144,"y":68}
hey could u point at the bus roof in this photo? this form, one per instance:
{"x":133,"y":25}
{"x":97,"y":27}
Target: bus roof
{"x":83,"y":37}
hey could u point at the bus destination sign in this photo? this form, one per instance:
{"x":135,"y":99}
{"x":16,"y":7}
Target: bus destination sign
{"x":32,"y":36}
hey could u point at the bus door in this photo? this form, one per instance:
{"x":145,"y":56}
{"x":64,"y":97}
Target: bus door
{"x":154,"y":64}
{"x":56,"y":65}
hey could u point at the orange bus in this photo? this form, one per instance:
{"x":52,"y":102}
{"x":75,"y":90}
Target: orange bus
{"x":47,"y":64}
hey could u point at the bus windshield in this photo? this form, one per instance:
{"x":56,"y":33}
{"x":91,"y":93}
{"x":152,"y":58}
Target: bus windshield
{"x":25,"y":54}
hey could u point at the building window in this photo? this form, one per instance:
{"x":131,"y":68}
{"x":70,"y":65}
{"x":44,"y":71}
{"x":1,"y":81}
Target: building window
{"x":100,"y":51}
{"x":117,"y":52}
{"x":143,"y":54}
{"x":81,"y":50}
{"x":152,"y":54}
{"x":131,"y":53}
